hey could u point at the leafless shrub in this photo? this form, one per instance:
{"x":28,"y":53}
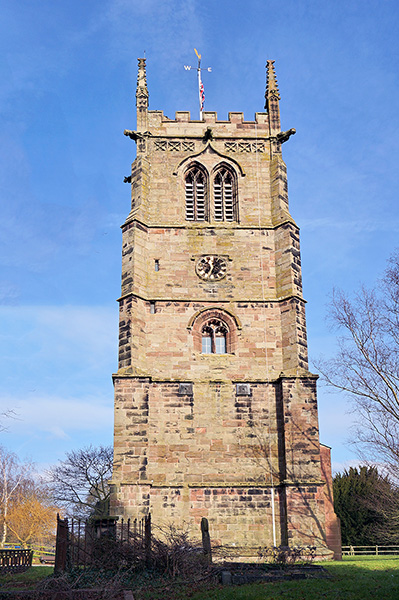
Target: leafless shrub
{"x":116,"y":565}
{"x":287,"y":555}
{"x":175,"y":555}
{"x":96,"y":585}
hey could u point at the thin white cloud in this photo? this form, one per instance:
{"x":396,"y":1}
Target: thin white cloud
{"x":9,"y":292}
{"x":365,"y":225}
{"x":47,"y":426}
{"x":65,"y":351}
{"x":58,"y":417}
{"x":88,"y":327}
{"x":156,"y":24}
{"x":339,"y":467}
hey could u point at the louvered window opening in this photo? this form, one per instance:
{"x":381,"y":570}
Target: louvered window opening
{"x":223,"y":194}
{"x":195,"y":196}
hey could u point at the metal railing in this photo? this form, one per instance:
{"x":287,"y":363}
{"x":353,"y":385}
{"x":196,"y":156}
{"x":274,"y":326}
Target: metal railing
{"x":77,"y":544}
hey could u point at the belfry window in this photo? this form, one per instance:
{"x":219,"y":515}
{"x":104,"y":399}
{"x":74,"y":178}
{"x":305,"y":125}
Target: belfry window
{"x":224,"y":196}
{"x":196,"y":195}
{"x":214,"y":335}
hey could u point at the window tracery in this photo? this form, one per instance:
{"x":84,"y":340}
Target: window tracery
{"x":214,"y":337}
{"x":196,"y":195}
{"x":224,"y":196}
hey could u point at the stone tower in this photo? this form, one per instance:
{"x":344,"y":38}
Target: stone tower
{"x":215,"y":409}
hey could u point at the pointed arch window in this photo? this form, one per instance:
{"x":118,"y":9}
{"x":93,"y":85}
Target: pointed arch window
{"x":225,"y":195}
{"x":196,"y":195}
{"x":214,"y":337}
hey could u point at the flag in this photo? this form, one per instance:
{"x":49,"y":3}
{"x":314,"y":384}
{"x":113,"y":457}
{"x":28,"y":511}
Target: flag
{"x":202,"y":96}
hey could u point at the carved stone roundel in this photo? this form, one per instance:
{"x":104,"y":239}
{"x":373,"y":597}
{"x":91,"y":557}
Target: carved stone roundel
{"x":211,"y":268}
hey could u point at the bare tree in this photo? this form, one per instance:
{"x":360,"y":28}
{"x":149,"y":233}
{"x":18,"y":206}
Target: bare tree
{"x":12,"y":475}
{"x":367,"y":365}
{"x":7,"y":414}
{"x":80,"y":482}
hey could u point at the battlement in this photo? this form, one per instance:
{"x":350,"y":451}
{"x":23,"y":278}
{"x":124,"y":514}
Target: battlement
{"x":183,"y":122}
{"x":157,"y":117}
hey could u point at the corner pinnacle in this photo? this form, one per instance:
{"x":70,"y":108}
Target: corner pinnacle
{"x":272,"y":97}
{"x":271,"y":83}
{"x":142,"y":96}
{"x":142,"y":89}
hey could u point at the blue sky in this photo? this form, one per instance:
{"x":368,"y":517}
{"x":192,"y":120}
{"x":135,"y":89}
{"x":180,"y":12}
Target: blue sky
{"x":68,"y":72}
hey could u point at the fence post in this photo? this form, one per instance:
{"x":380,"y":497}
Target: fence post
{"x":72,"y":544}
{"x":147,"y":540}
{"x":206,"y":540}
{"x":352,"y":550}
{"x":61,"y":545}
{"x":376,"y":550}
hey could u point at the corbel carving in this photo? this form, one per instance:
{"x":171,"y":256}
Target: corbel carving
{"x":283,"y":136}
{"x":208,"y":135}
{"x":136,"y":135}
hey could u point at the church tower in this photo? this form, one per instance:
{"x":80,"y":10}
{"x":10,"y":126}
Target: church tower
{"x":215,"y":409}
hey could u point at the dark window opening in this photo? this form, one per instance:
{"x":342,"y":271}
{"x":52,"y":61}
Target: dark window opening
{"x":196,"y":204}
{"x":224,"y":196}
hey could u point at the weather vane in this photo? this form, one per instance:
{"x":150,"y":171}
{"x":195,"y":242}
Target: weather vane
{"x":201,"y":92}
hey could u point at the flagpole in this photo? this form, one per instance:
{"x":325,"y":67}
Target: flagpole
{"x":199,"y":88}
{"x":201,"y":94}
{"x":199,"y":83}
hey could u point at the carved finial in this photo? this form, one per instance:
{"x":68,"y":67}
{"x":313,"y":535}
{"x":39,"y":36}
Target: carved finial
{"x":142,"y":95}
{"x":142,"y":90}
{"x":271,"y":83}
{"x":272,"y":97}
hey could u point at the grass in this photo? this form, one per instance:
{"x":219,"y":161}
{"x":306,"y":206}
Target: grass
{"x":365,"y":578}
{"x":355,"y":578}
{"x":24,"y":581}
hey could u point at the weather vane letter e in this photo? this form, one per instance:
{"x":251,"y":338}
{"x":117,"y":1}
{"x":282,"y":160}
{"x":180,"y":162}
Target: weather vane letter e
{"x":201,"y":93}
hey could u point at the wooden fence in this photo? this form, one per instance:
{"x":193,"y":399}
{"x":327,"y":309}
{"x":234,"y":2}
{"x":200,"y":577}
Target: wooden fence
{"x":77,"y":541}
{"x":15,"y":561}
{"x":41,"y":553}
{"x":369,"y":550}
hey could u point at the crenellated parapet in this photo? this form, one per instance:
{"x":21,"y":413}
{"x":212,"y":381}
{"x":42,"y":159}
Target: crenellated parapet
{"x":265,"y":127}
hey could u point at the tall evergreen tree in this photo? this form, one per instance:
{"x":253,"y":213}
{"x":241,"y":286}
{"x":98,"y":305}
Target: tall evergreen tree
{"x":368,"y":505}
